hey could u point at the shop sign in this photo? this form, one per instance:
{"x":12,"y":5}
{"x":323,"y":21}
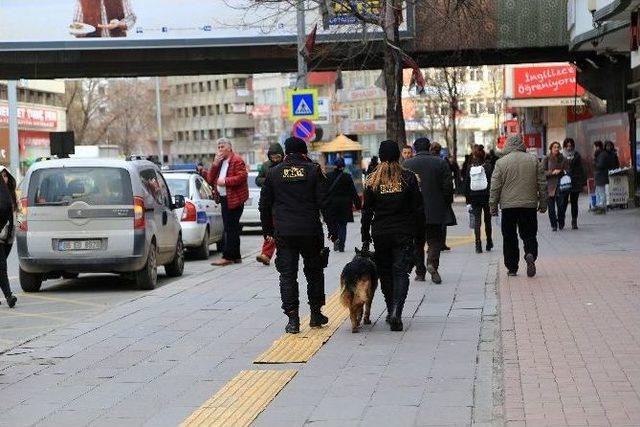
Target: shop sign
{"x":550,"y":81}
{"x":31,"y":117}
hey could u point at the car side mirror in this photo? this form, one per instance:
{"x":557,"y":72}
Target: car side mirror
{"x":178,"y":201}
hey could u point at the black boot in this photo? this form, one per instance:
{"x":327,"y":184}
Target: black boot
{"x":293,"y":327}
{"x":317,"y":319}
{"x":574,"y":224}
{"x":395,"y":321}
{"x":11,"y":301}
{"x":489,"y":244}
{"x":478,"y":247}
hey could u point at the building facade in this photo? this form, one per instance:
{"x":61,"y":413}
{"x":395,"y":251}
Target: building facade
{"x":205,"y":108}
{"x":41,"y":109}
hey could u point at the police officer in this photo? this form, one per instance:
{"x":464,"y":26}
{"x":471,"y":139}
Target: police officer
{"x":291,"y":200}
{"x":391,"y":212}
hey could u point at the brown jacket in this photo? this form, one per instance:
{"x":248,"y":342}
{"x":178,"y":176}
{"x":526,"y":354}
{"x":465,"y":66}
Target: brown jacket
{"x":550,"y":164}
{"x":92,"y":15}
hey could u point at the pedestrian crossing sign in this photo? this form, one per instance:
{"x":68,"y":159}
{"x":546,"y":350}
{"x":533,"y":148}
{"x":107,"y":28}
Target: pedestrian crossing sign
{"x":303,"y":104}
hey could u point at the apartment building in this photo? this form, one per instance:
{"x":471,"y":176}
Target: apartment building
{"x":205,"y":108}
{"x":41,"y":110}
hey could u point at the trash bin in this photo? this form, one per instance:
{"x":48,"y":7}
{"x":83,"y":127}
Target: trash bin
{"x":618,"y":188}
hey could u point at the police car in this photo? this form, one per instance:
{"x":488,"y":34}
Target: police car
{"x":201,"y":217}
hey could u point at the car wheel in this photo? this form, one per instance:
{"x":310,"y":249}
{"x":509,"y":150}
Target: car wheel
{"x":202,"y":251}
{"x":176,"y":267}
{"x":147,"y":278}
{"x":30,"y":282}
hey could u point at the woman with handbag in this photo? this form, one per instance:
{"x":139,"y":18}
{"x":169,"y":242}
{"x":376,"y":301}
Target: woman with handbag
{"x":341,"y":197}
{"x":476,"y":191}
{"x":555,"y":166}
{"x":575,"y":170}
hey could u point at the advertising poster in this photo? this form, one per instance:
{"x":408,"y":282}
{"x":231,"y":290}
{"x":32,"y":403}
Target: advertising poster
{"x":80,"y":24}
{"x":545,"y":81}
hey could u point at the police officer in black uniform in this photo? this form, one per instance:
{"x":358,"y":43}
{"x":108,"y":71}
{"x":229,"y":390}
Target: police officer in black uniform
{"x":291,"y":200}
{"x":391,"y":213}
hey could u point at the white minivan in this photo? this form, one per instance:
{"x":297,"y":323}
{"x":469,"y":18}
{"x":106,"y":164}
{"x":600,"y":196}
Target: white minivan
{"x":97,"y":216}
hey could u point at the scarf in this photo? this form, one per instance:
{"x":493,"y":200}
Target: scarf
{"x":569,"y":154}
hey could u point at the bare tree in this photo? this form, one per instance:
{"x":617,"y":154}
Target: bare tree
{"x":85,"y":101}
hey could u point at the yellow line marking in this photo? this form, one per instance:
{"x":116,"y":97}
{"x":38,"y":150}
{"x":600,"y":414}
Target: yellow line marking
{"x":241,"y":400}
{"x":62,"y":300}
{"x":300,"y":348}
{"x":41,"y":316}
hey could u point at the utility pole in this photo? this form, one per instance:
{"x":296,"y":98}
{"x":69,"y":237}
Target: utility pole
{"x":14,"y":146}
{"x":159,"y":119}
{"x":302,"y":65}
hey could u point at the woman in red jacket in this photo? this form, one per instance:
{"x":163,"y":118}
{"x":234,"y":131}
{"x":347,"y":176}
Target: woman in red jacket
{"x":228,"y":178}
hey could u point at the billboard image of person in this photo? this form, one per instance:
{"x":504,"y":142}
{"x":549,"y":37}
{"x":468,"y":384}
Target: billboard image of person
{"x":102,"y":18}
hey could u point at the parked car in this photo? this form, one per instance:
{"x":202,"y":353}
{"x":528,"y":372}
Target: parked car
{"x":201,"y":217}
{"x":97,"y":216}
{"x":251,"y":215}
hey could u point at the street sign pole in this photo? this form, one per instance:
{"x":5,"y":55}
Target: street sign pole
{"x":14,"y":146}
{"x":302,"y":65}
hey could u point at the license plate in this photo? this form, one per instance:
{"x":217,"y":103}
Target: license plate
{"x":79,"y":245}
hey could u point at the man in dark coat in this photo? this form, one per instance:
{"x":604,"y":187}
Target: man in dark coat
{"x":341,"y":197}
{"x":437,"y":193}
{"x":275,"y":155}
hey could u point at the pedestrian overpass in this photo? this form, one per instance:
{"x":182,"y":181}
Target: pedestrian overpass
{"x":487,"y":32}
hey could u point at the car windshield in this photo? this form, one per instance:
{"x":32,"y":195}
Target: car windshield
{"x":178,"y":186}
{"x":94,"y":186}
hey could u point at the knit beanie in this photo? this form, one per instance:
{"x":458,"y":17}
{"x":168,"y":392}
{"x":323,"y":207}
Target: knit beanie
{"x":389,"y":151}
{"x":295,"y":145}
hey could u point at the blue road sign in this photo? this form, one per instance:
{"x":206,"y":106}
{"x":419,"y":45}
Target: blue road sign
{"x":303,"y":104}
{"x":304,"y":129}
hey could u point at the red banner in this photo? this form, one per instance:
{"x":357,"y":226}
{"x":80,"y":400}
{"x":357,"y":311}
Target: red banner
{"x":551,"y":81}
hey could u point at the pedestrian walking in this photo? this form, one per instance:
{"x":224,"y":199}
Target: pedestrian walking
{"x":519,"y":188}
{"x":8,"y":208}
{"x":391,"y":215}
{"x":436,"y":151}
{"x":342,"y":196}
{"x":228,"y":178}
{"x":458,"y":187}
{"x":275,"y":155}
{"x":575,"y":170}
{"x":291,"y":200}
{"x":555,"y":167}
{"x":476,"y":190}
{"x":437,"y":195}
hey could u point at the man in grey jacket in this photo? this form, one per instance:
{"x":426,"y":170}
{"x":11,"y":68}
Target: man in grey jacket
{"x":436,"y":186}
{"x":519,"y":186}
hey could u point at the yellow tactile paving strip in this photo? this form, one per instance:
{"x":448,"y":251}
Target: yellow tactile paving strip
{"x":299,"y":348}
{"x":241,"y":400}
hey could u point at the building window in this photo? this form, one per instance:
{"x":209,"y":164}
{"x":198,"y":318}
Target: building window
{"x":195,"y":135}
{"x":212,"y":134}
{"x":201,"y":86}
{"x":194,"y":111}
{"x":218,"y":109}
{"x":217,"y":85}
{"x":203,"y":111}
{"x":185,"y":88}
{"x":178,"y":90}
{"x":210,"y":110}
{"x":209,"y":86}
{"x":180,"y":136}
{"x":226,"y":84}
{"x":179,"y":111}
{"x":476,"y":74}
{"x":239,"y":83}
{"x":187,"y":136}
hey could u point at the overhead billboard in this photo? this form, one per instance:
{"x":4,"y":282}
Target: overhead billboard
{"x":545,"y":81}
{"x":109,"y":24}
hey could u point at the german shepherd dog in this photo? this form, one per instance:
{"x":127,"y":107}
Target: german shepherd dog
{"x":358,"y":281}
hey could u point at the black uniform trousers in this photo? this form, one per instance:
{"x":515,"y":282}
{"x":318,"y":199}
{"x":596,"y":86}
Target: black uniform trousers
{"x":431,"y":235}
{"x":289,"y":250}
{"x":525,"y":222}
{"x":394,"y":256}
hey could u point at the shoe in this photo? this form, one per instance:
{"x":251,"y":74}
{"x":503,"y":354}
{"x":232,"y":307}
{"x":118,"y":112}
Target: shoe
{"x":489,"y":245}
{"x":531,"y":265}
{"x":554,"y":228}
{"x":561,"y":226}
{"x":317,"y":319}
{"x":420,"y":278}
{"x":222,"y":262}
{"x":574,"y":224}
{"x":12,"y":300}
{"x":237,"y":261}
{"x":395,"y":319}
{"x":388,"y":318}
{"x":435,"y":276}
{"x":478,"y":247}
{"x":446,"y":248}
{"x":336,"y":246}
{"x":293,"y":327}
{"x":263,"y":259}
{"x":512,"y":273}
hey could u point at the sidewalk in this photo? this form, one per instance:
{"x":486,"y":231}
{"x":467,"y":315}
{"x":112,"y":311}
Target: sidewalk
{"x":571,"y":336}
{"x":155,"y":360}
